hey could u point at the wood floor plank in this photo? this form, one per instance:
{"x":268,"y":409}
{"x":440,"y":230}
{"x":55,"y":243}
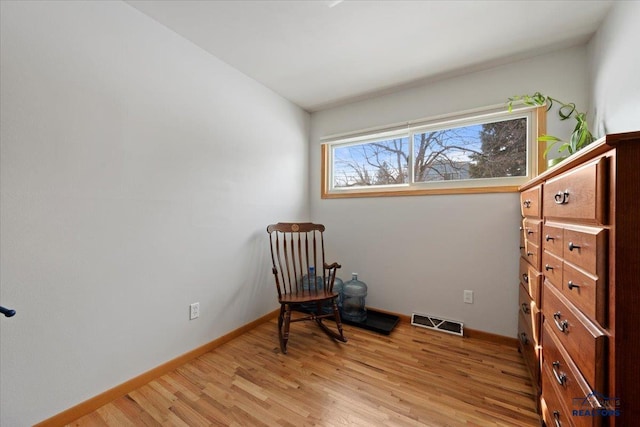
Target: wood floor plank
{"x":92,"y":420}
{"x":413,"y":377}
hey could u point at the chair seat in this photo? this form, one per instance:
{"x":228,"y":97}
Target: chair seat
{"x":307,"y":296}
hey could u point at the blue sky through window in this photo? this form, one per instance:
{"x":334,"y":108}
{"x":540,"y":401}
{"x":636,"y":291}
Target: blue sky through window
{"x":374,"y":162}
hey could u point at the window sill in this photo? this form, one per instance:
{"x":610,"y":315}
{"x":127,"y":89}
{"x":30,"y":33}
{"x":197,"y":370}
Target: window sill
{"x":418,"y":192}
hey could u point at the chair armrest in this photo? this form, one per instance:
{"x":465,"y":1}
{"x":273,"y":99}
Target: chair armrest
{"x":332,"y":268}
{"x":334,"y":265}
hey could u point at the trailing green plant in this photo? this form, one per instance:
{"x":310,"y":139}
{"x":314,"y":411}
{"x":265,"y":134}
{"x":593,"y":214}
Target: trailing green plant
{"x":580,"y":137}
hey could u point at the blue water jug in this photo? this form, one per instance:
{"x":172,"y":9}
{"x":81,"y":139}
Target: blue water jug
{"x":354,"y":293}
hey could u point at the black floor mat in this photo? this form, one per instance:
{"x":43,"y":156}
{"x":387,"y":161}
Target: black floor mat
{"x":377,"y":322}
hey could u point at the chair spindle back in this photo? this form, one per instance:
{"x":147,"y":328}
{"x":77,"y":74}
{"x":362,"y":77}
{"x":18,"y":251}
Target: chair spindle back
{"x":295,"y":248}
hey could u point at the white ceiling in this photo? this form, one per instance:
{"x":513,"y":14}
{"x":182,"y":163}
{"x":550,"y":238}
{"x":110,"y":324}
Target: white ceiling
{"x":319,"y":54}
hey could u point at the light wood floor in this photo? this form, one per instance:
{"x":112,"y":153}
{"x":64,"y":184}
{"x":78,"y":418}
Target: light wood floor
{"x":413,"y":377}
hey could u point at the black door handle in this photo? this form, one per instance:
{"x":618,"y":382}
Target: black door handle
{"x":7,"y":312}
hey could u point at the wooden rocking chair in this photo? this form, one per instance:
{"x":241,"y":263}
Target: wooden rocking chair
{"x":297,"y":249}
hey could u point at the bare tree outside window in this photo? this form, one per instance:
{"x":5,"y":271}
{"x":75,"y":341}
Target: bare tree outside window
{"x":372,"y":163}
{"x":444,"y":155}
{"x":489,"y":150}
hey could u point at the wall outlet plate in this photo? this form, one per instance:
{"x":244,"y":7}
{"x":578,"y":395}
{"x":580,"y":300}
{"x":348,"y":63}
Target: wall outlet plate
{"x":194,"y":311}
{"x":468,"y":297}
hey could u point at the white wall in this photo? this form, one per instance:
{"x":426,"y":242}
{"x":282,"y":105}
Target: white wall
{"x":138,"y":176}
{"x":419,"y":253}
{"x":614,"y":59}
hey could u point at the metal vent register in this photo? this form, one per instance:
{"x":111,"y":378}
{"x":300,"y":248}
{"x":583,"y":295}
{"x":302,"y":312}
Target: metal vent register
{"x":437,"y":323}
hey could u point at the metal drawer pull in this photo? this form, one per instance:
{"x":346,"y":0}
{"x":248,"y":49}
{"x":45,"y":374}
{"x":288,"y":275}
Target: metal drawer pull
{"x":572,"y":246}
{"x":562,"y":326}
{"x":526,"y":203}
{"x":571,"y":285}
{"x":548,"y":267}
{"x":547,"y":238}
{"x":525,"y":277}
{"x":524,"y":339}
{"x":521,"y":247}
{"x":556,"y":418}
{"x":529,"y":253}
{"x":529,"y":231}
{"x":525,"y":308}
{"x":562,"y":377}
{"x":561,"y":198}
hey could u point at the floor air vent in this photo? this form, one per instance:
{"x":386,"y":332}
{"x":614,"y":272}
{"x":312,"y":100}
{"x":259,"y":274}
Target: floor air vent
{"x":450,"y":326}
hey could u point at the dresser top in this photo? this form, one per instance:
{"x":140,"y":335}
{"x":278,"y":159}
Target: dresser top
{"x":592,"y":151}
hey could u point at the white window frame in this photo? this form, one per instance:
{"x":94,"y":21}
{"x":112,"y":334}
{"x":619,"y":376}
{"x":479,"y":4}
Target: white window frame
{"x":535,"y":126}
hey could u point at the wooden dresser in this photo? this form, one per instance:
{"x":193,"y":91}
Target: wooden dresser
{"x":579,"y":305}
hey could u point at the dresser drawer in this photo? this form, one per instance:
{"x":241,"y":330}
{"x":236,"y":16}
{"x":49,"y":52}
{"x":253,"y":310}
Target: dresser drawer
{"x":584,"y":341}
{"x":523,"y":252}
{"x":586,"y":247}
{"x":552,"y":268}
{"x":528,"y":348}
{"x":552,"y":240}
{"x":571,"y":387}
{"x":532,"y":254}
{"x":587,"y":292}
{"x":578,"y":194}
{"x":554,"y":413}
{"x":531,"y":280}
{"x":531,"y":312}
{"x":532,"y":228}
{"x":530,"y":205}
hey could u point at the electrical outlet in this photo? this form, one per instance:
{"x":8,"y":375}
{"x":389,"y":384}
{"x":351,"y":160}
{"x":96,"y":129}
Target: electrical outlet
{"x":468,"y":297}
{"x":194,"y":311}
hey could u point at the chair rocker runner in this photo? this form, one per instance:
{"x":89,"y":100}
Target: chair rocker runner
{"x":296,"y":250}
